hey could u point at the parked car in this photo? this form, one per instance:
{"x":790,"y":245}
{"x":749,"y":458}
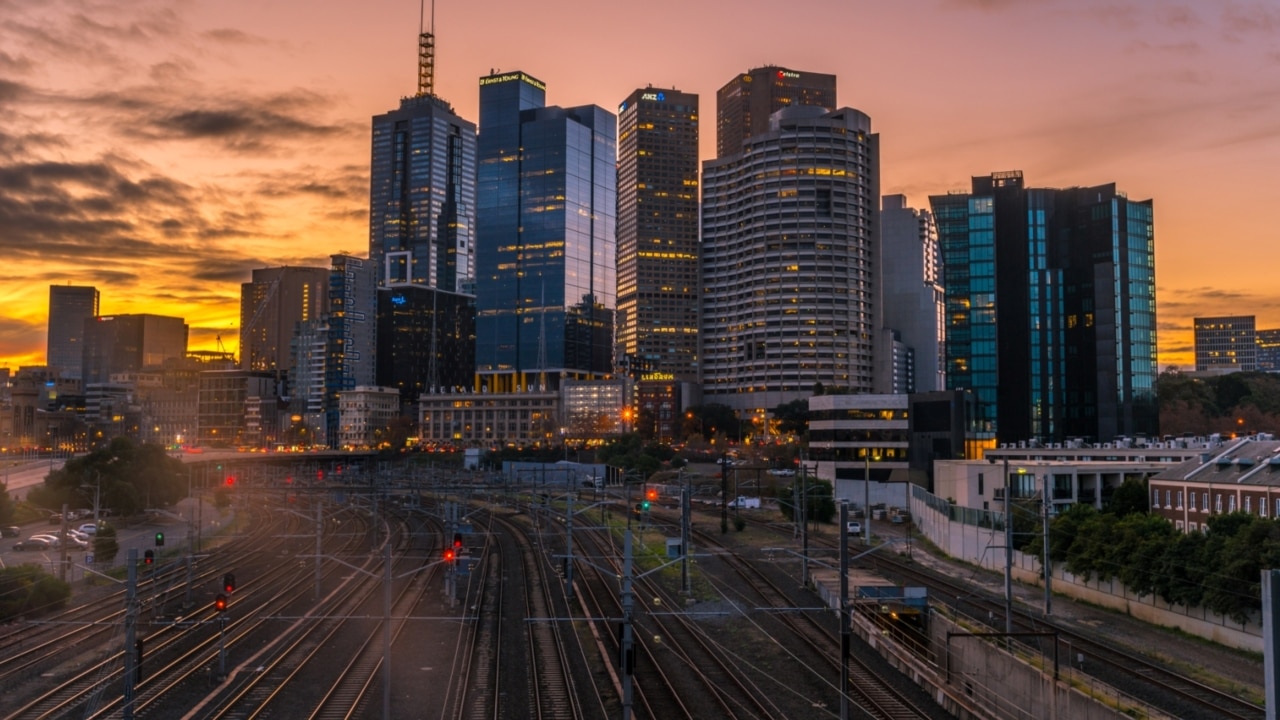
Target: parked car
{"x":53,"y":540}
{"x":88,"y":529}
{"x":33,"y":543}
{"x":10,"y":531}
{"x":853,"y":527}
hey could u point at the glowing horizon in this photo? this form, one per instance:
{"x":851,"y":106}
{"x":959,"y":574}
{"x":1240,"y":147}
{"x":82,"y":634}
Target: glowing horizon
{"x":160,"y":150}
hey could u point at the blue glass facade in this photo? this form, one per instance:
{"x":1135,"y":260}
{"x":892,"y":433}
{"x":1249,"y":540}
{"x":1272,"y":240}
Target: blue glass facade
{"x":1050,"y":309}
{"x":545,"y":280}
{"x":422,"y":199}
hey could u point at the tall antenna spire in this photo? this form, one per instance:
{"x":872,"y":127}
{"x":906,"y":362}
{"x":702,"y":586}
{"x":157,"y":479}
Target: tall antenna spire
{"x":426,"y":52}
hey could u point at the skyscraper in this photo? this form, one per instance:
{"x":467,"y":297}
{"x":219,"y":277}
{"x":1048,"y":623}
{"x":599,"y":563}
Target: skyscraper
{"x":913,"y":295}
{"x":422,"y":198}
{"x":545,"y":238}
{"x":422,"y":189}
{"x":1226,"y":343}
{"x":353,"y":314}
{"x":658,"y":230}
{"x":1050,"y":308}
{"x":129,"y":343}
{"x":745,"y":103}
{"x":790,"y":269}
{"x":69,"y":307}
{"x":271,"y":305}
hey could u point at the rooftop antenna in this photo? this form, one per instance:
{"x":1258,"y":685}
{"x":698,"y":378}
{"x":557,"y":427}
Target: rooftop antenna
{"x":426,"y":51}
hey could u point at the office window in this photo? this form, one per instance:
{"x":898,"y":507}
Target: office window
{"x":1191,"y":504}
{"x":1217,"y":502}
{"x":1179,"y":500}
{"x":1231,"y":504}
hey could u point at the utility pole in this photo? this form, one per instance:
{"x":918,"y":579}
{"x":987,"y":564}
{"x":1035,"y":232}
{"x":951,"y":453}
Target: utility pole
{"x":627,"y":660}
{"x":1008,"y":552}
{"x":1048,"y":568}
{"x":130,"y":631}
{"x":568,"y":560}
{"x":845,"y":631}
{"x":686,"y":519}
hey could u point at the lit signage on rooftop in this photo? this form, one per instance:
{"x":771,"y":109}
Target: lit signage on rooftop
{"x":510,"y":77}
{"x":788,"y":74}
{"x":656,"y":97}
{"x":398,"y":299}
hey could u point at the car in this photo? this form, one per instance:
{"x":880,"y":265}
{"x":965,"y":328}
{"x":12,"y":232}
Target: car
{"x":32,"y":544}
{"x":853,"y":527}
{"x":88,"y":529}
{"x":53,"y":540}
{"x":10,"y":531}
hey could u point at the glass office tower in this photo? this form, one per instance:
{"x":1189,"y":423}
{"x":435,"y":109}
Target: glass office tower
{"x":658,"y":231}
{"x":545,"y":238}
{"x":1051,"y":318}
{"x":69,"y":307}
{"x":422,"y":196}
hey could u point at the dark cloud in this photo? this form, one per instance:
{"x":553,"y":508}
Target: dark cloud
{"x":12,"y":63}
{"x":1246,"y":18}
{"x":231,"y":36}
{"x":20,"y":338}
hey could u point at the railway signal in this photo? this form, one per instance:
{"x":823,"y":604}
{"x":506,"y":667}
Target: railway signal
{"x":159,"y":539}
{"x":450,"y":555}
{"x":457,"y":541}
{"x":220,"y":603}
{"x":229,"y":583}
{"x":651,"y":495}
{"x":148,"y":557}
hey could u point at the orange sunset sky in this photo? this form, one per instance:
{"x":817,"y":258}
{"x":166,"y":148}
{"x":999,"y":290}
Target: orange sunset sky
{"x":162,"y":149}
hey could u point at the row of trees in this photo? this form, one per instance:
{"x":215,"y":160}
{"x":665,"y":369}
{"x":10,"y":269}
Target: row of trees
{"x":1244,"y":402}
{"x":1219,"y":569}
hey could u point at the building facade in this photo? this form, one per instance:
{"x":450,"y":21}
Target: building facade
{"x":1239,"y":476}
{"x":745,"y":104}
{"x":913,"y":294}
{"x":69,"y":307}
{"x":1226,"y":344}
{"x":1050,"y":307}
{"x":1269,"y":350}
{"x":426,"y":342}
{"x":367,"y":413}
{"x":353,"y":322}
{"x":116,"y":344}
{"x":790,"y":266}
{"x":271,"y":306}
{"x":545,"y":282}
{"x":658,"y":230}
{"x":226,"y":401}
{"x":422,"y":195}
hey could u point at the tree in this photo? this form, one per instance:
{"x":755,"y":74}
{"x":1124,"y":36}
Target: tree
{"x":28,"y":590}
{"x":793,"y":417}
{"x":6,"y":504}
{"x":1130,"y":497}
{"x":105,"y":544}
{"x":820,"y":503}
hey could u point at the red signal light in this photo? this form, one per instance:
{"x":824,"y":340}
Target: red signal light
{"x":220,"y":603}
{"x":651,"y":494}
{"x":449,"y":555}
{"x":231,"y":480}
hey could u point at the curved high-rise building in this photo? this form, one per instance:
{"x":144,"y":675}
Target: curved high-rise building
{"x":790,"y":254}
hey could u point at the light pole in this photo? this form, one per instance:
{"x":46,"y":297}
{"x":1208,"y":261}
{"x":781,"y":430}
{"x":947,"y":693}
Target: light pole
{"x":1008,"y":552}
{"x":866,"y":497}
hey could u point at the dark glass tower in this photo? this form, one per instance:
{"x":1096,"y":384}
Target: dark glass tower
{"x":353,"y":309}
{"x":1050,"y":299}
{"x":744,"y":104}
{"x":422,"y":195}
{"x":426,"y":342}
{"x":69,"y":307}
{"x":658,"y":231}
{"x":545,"y":238}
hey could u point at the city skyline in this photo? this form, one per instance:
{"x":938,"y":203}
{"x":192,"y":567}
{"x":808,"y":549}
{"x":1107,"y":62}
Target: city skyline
{"x":161,"y":150}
